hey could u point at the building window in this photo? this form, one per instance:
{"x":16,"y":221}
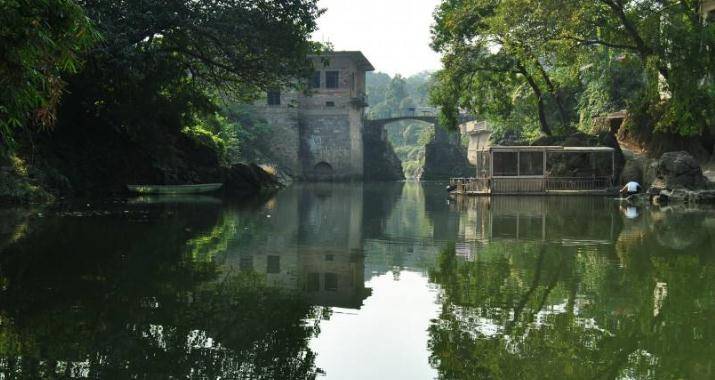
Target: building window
{"x":315,"y":80}
{"x":332,"y":79}
{"x":274,"y":264}
{"x":331,"y":282}
{"x":330,"y":104}
{"x":711,"y":16}
{"x":274,"y":98}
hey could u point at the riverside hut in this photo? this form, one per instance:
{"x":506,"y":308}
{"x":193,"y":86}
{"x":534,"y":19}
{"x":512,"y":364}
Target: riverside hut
{"x":539,"y":170}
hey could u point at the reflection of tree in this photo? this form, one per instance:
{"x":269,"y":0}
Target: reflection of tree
{"x":109,"y":299}
{"x":535,"y":310}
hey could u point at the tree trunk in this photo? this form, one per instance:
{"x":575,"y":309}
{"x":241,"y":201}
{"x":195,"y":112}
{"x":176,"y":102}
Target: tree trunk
{"x":552,"y":90}
{"x":544,"y":124}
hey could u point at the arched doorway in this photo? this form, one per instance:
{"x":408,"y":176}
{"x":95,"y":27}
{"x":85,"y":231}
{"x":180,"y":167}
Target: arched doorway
{"x":323,"y":171}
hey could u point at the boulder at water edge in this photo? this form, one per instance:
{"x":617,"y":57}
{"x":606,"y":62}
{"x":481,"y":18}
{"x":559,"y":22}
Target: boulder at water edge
{"x":680,"y":170}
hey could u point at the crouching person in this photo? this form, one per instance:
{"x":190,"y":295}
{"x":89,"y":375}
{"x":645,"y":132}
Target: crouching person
{"x":631,"y":188}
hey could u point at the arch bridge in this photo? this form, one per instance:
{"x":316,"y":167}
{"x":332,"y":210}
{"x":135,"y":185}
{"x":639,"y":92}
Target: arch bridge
{"x":431,"y":119}
{"x":443,"y":156}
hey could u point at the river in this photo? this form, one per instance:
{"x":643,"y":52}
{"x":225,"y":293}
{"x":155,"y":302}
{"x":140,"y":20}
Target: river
{"x":352,"y":281}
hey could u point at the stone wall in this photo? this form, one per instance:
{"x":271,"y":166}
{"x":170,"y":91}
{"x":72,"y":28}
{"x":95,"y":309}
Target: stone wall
{"x":281,"y":145}
{"x":325,"y":141}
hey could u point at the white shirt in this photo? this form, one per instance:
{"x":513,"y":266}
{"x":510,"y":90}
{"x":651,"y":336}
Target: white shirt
{"x":631,"y":212}
{"x":632,"y":186}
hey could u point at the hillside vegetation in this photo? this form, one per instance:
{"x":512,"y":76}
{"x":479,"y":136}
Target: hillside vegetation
{"x":398,"y":96}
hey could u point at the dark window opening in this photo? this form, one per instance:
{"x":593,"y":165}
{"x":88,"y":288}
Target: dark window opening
{"x":531,"y":163}
{"x":330,"y":104}
{"x":331,"y":282}
{"x":315,"y":80}
{"x":711,"y":16}
{"x":274,"y":98}
{"x":274,"y":264}
{"x":531,"y":227}
{"x":504,"y":226}
{"x":505,"y":164}
{"x":329,"y":257}
{"x":332,"y":79}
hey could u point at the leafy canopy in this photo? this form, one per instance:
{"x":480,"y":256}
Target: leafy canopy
{"x":529,"y":65}
{"x":40,"y":40}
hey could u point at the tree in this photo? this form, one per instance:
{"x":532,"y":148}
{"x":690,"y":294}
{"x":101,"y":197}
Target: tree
{"x":493,"y":50}
{"x":674,"y":47}
{"x":487,"y":46}
{"x":41,"y":41}
{"x":234,"y":45}
{"x":148,"y":96}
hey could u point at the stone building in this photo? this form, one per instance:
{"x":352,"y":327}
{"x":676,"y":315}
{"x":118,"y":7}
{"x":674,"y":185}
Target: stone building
{"x":318,"y":134}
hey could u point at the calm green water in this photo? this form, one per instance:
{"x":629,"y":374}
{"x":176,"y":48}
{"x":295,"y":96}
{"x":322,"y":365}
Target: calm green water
{"x":357,"y":282}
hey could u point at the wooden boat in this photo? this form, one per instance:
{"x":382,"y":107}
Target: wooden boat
{"x":150,"y":199}
{"x":175,"y":189}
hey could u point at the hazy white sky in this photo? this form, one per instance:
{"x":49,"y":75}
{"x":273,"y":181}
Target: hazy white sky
{"x":393,"y":34}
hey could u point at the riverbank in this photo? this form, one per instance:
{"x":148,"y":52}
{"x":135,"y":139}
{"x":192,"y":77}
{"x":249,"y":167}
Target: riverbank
{"x":46,"y":177}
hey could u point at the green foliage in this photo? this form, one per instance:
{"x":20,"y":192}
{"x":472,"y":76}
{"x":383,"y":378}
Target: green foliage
{"x":156,"y":76}
{"x":525,"y":64}
{"x":162,"y":72}
{"x":202,"y":134}
{"x":41,"y":41}
{"x":248,"y":129}
{"x":16,"y":186}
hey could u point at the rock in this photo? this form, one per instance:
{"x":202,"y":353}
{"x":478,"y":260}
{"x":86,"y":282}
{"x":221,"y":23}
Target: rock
{"x":446,"y":158}
{"x":680,"y":170}
{"x":380,"y":163}
{"x":249,"y":178}
{"x":686,"y":196}
{"x":632,"y":171}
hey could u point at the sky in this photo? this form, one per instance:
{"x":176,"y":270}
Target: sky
{"x":393,"y":34}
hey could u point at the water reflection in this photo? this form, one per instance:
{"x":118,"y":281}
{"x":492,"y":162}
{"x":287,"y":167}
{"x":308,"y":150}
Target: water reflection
{"x":574,"y":283}
{"x":134,"y":296}
{"x":357,"y":281}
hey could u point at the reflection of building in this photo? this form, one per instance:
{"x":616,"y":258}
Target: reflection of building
{"x":314,"y":245}
{"x":334,"y":278}
{"x":555,"y":219}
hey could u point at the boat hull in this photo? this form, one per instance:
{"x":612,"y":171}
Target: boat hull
{"x":174,"y":189}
